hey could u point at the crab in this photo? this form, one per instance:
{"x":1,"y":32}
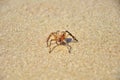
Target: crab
{"x":60,"y":38}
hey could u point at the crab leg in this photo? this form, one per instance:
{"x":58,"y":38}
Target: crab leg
{"x":71,"y":35}
{"x":53,"y":48}
{"x":69,"y":48}
{"x":49,"y":38}
{"x":51,"y":41}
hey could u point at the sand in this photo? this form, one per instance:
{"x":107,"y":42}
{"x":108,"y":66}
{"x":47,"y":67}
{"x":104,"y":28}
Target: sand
{"x":26,"y":24}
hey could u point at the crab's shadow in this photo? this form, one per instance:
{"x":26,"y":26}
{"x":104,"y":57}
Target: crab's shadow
{"x":69,"y":40}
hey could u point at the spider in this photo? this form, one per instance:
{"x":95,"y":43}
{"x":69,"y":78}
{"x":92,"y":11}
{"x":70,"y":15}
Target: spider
{"x":60,"y":38}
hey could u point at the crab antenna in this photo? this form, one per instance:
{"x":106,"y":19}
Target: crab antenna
{"x":71,"y":35}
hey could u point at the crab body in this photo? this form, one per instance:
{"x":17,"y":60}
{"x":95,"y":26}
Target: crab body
{"x":60,"y":38}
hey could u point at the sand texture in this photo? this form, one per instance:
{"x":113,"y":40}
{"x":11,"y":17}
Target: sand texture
{"x":26,"y":24}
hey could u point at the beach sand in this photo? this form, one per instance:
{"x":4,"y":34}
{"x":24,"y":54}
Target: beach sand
{"x":26,"y":24}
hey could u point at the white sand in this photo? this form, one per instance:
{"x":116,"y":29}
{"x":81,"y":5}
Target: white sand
{"x":25,"y":25}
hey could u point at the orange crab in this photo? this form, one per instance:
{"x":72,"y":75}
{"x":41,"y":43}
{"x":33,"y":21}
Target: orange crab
{"x":60,"y":38}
